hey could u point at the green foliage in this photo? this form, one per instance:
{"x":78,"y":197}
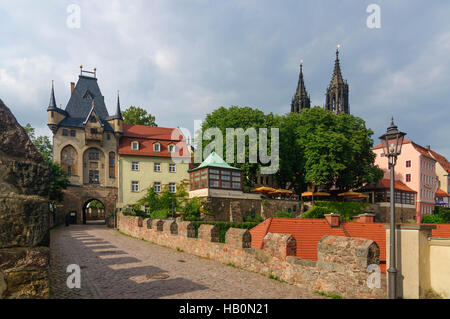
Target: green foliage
{"x":96,"y":204}
{"x":257,"y":219}
{"x":137,"y":115}
{"x":319,"y":148}
{"x":223,"y":227}
{"x":192,"y":209}
{"x":346,"y":209}
{"x":159,"y":214}
{"x":324,"y":294}
{"x":441,"y":215}
{"x":238,"y":117}
{"x":58,"y":178}
{"x":283,"y":214}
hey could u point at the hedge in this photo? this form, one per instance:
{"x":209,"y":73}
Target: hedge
{"x":346,"y":209}
{"x":223,"y":227}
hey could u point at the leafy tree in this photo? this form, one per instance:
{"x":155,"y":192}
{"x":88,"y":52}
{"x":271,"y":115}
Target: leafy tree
{"x":239,"y":117}
{"x":58,"y":178}
{"x":137,"y":115}
{"x":330,"y":150}
{"x":96,"y":204}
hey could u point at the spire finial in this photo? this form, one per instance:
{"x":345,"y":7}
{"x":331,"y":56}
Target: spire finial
{"x":392,"y":121}
{"x":337,"y":51}
{"x":52,"y":103}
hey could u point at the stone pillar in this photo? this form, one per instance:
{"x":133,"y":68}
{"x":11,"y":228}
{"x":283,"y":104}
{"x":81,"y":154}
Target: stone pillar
{"x":280,"y":245}
{"x":238,"y":237}
{"x":333,"y":219}
{"x":186,"y":229}
{"x":413,"y":276}
{"x":208,"y":233}
{"x":235,"y":212}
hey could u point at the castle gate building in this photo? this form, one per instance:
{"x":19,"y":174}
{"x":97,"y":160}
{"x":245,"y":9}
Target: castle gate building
{"x":85,"y":143}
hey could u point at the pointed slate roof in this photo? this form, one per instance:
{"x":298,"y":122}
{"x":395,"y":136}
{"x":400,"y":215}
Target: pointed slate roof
{"x":52,"y":104}
{"x":337,"y":75}
{"x":301,"y":99}
{"x":214,"y":160}
{"x":80,"y":103}
{"x":118,"y":114}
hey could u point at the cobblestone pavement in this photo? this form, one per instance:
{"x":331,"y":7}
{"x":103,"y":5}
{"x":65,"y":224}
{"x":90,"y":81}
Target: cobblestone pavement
{"x":116,"y":266}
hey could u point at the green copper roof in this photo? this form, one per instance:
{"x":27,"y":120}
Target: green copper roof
{"x":214,"y":160}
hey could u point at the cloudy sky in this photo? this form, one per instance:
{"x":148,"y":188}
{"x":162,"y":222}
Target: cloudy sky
{"x":181,"y":59}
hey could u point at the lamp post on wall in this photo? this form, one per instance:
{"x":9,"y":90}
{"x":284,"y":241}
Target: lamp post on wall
{"x":115,"y":213}
{"x":392,"y":142}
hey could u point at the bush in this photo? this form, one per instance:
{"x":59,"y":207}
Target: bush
{"x":346,"y":209}
{"x":440,"y":215}
{"x":223,"y":227}
{"x":257,"y":219}
{"x":192,"y":209}
{"x":283,"y":214}
{"x":160,"y":214}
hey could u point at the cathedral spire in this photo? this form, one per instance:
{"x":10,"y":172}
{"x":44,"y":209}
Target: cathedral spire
{"x":337,"y":92}
{"x":52,"y":103}
{"x":301,"y":99}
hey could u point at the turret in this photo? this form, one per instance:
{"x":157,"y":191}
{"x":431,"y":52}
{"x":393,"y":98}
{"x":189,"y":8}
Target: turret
{"x":116,"y":121}
{"x":55,"y":114}
{"x":301,"y":98}
{"x":337,"y":93}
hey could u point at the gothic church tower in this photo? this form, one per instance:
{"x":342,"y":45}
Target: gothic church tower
{"x":301,"y":98}
{"x":337,"y":93}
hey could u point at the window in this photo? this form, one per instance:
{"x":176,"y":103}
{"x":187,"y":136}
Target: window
{"x":213,"y":183}
{"x":93,"y":120}
{"x":157,"y":167}
{"x":146,"y":209}
{"x":112,"y":165}
{"x":408,"y":163}
{"x":156,"y":147}
{"x":157,"y":187}
{"x":171,"y":148}
{"x":135,"y":166}
{"x":172,"y":168}
{"x":69,"y":171}
{"x":236,"y":185}
{"x":94,"y":177}
{"x":65,"y":132}
{"x":135,"y":186}
{"x":135,"y":146}
{"x":108,"y":137}
{"x":225,"y":184}
{"x":408,"y":177}
{"x":172,"y":188}
{"x":73,"y":133}
{"x":94,"y":154}
{"x":69,"y":160}
{"x":94,"y":131}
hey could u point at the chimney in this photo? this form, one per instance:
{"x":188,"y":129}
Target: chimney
{"x":366,"y":218}
{"x":333,"y":219}
{"x":72,"y":87}
{"x":428,"y":147}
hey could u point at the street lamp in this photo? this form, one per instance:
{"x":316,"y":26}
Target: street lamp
{"x":392,"y":142}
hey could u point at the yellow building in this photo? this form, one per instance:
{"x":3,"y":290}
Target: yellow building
{"x":155,"y":157}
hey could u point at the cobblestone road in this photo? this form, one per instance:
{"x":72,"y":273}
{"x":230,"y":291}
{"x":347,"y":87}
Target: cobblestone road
{"x":116,"y":266}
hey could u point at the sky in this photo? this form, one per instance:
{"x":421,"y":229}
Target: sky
{"x":181,"y":59}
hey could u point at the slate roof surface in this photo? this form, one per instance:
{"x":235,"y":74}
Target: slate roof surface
{"x":80,"y":104}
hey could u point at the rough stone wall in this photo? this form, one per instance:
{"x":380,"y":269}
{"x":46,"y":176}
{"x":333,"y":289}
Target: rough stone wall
{"x":24,"y":213}
{"x":232,"y":209}
{"x":280,"y":245}
{"x":402,"y":214}
{"x":350,"y":282}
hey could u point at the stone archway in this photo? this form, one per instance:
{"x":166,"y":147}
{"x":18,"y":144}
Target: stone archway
{"x":94,"y":215}
{"x":77,"y":197}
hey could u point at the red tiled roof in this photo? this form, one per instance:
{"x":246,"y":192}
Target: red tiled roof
{"x":308,"y":232}
{"x":441,"y":193}
{"x":385,"y":183}
{"x":422,"y":150}
{"x":376,"y":147}
{"x":147,"y":136}
{"x":441,"y":160}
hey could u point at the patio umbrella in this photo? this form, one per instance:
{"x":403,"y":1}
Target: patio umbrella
{"x":263,"y":190}
{"x":350,"y":194}
{"x":306,"y":194}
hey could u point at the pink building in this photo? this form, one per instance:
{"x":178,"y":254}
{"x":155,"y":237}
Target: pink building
{"x":416,"y":168}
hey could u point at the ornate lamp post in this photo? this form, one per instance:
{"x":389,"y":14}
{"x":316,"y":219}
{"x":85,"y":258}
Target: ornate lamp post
{"x":392,"y":142}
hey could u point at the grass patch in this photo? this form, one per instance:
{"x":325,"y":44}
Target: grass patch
{"x":324,"y":294}
{"x":276,"y":278}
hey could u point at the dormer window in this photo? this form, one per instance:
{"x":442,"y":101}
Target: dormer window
{"x":171,"y":148}
{"x":135,"y":146}
{"x":157,"y":147}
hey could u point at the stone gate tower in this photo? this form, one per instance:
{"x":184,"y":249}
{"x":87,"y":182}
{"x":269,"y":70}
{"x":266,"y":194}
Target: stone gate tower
{"x":85,"y":143}
{"x":337,"y":93}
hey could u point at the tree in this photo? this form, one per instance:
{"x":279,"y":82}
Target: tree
{"x":137,"y":115}
{"x":239,"y":117}
{"x":332,"y":150}
{"x":58,"y":178}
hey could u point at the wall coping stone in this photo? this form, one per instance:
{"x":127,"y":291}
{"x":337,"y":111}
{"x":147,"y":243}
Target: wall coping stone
{"x":412,"y":227}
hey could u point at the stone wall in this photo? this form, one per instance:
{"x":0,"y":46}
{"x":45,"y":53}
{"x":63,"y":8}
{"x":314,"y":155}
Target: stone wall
{"x":341,"y":272}
{"x":24,"y":213}
{"x":403,"y":213}
{"x":235,"y":209}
